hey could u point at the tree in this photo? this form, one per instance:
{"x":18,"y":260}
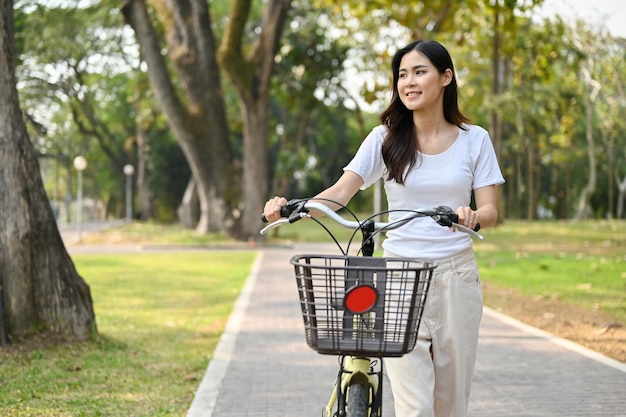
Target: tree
{"x":306,"y":104}
{"x":611,"y":125}
{"x":251,"y":73}
{"x":601,"y":90}
{"x":43,"y":290}
{"x":193,"y":100}
{"x":536,"y":112}
{"x":82,"y":87}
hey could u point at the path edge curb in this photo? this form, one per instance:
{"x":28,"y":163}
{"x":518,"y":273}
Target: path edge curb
{"x":567,"y":344}
{"x":205,"y":397}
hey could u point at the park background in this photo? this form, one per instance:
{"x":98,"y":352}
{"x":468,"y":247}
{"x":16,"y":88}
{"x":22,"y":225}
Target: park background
{"x":549,"y":89}
{"x":218,"y":105}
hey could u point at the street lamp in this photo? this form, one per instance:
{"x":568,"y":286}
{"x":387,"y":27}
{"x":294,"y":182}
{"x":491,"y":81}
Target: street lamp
{"x":129,"y":170}
{"x":80,"y":163}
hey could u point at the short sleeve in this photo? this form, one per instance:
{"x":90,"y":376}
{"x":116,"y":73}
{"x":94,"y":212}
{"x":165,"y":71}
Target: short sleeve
{"x":487,"y":170}
{"x":368,"y":161}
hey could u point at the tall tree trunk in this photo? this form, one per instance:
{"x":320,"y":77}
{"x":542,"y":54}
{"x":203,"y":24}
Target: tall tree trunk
{"x":516,"y":196}
{"x":535,"y":194}
{"x":583,"y":203}
{"x":610,"y":175}
{"x":251,"y":75}
{"x":530,"y":178}
{"x":196,"y":111}
{"x":188,"y":208}
{"x":497,"y":87}
{"x":523,"y":186}
{"x":42,"y":289}
{"x":255,"y":171}
{"x":146,"y":210}
{"x":621,"y":186}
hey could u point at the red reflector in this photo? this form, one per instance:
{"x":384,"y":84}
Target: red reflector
{"x":360,"y":299}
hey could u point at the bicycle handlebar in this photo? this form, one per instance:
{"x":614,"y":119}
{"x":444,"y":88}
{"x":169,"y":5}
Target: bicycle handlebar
{"x":296,"y":209}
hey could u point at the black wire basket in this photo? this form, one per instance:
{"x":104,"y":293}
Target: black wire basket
{"x":353,"y":305}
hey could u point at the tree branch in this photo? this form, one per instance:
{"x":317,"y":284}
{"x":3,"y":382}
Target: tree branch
{"x":251,"y":74}
{"x":136,"y":15}
{"x":230,"y":53}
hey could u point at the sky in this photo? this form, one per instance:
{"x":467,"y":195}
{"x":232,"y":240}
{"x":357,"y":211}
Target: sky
{"x":598,"y":13}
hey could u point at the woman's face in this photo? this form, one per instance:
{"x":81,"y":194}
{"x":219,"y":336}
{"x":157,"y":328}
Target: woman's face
{"x":420,"y":85}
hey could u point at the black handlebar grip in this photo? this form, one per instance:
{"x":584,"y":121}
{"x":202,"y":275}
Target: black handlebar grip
{"x":285,"y":211}
{"x":446,"y":217}
{"x":455,"y":218}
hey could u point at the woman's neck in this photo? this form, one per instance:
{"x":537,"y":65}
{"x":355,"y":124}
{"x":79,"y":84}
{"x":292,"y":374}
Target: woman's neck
{"x":434,"y":133}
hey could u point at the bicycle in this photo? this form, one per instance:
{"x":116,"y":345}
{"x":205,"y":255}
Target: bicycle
{"x":361,"y":308}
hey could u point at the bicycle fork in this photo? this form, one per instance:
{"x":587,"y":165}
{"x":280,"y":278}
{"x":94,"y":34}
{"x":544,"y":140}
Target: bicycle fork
{"x":352,"y":370}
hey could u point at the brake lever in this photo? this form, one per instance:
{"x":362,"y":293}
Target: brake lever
{"x":273,"y":225}
{"x":445,"y":216}
{"x":294,"y":217}
{"x":471,"y":232}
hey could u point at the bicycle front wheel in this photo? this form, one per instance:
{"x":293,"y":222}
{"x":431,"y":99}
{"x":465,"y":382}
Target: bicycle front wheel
{"x":358,"y":400}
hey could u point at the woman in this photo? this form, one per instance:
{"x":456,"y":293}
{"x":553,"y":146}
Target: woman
{"x":429,"y":155}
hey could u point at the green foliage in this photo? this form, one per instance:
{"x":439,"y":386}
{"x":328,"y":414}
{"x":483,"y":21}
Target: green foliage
{"x":170,"y":175}
{"x":330,"y":50}
{"x":83,"y":93}
{"x":312,"y":138}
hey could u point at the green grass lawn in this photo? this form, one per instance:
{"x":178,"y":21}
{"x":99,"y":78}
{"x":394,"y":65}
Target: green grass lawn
{"x":582,"y":263}
{"x":589,"y":281}
{"x":159,"y":317}
{"x":154,"y":234}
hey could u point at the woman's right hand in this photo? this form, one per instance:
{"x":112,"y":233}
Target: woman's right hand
{"x":272,"y":208}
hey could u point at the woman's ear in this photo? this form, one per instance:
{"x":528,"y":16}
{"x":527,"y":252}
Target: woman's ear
{"x":447,"y":77}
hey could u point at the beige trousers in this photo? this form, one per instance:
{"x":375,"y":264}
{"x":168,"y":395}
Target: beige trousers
{"x":434,"y":379}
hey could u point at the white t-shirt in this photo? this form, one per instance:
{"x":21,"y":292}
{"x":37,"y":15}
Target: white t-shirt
{"x":446,"y":179}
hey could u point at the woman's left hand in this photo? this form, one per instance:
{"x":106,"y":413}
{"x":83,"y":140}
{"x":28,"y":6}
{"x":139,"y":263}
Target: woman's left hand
{"x":468,"y":217}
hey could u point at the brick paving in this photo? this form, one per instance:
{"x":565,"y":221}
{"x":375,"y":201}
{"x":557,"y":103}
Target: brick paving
{"x":262,"y":366}
{"x":521,"y":371}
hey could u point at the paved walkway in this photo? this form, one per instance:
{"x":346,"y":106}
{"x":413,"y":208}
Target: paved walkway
{"x":262,"y":366}
{"x":72,"y":233}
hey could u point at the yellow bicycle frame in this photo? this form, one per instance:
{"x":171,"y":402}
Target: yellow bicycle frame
{"x":355,"y":369}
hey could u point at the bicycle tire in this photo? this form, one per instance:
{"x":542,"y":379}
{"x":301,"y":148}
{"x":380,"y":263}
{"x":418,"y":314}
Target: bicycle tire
{"x":358,"y":400}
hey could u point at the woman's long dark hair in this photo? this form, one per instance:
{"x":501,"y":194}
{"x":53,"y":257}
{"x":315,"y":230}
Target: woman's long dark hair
{"x":400,"y":145}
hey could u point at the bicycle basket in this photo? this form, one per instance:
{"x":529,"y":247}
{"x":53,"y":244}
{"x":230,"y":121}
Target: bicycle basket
{"x":354,"y":305}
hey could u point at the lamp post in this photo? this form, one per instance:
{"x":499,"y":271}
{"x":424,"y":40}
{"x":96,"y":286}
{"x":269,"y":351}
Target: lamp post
{"x":80,"y":163}
{"x":129,"y":170}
